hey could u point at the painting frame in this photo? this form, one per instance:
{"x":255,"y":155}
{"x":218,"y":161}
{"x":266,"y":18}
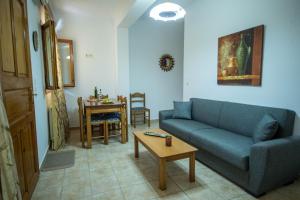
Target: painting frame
{"x":240,"y":57}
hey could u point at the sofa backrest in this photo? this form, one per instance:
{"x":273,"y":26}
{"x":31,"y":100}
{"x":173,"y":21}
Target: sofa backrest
{"x":207,"y":111}
{"x":240,"y":118}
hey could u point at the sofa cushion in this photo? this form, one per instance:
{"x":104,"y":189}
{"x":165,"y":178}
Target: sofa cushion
{"x":243,"y":118}
{"x":182,"y":110}
{"x":265,"y":129}
{"x":182,"y":128}
{"x":230,"y":147}
{"x":206,"y":111}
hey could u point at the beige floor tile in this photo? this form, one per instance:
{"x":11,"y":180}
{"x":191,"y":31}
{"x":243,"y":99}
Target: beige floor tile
{"x":183,"y":182}
{"x":138,"y":192}
{"x":47,"y":174}
{"x":81,"y":178}
{"x":76,"y":191}
{"x":110,"y":172}
{"x":81,"y":159}
{"x":100,"y":156}
{"x":176,"y":196}
{"x":245,"y":197}
{"x":77,"y":172}
{"x":48,"y":182}
{"x":102,"y":172}
{"x":97,"y":165}
{"x":130,"y":178}
{"x":115,"y":194}
{"x":103,"y":184}
{"x":125,"y":168}
{"x":174,"y":169}
{"x":53,"y":193}
{"x":202,"y":192}
{"x":172,"y":188}
{"x":226,"y":189}
{"x":122,"y":164}
{"x":208,"y":176}
{"x":151,"y":174}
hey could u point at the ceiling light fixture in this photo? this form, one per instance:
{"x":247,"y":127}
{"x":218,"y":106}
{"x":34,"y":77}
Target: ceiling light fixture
{"x":167,"y":12}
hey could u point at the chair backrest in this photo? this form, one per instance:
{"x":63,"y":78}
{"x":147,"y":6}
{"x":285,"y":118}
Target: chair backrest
{"x":122,"y":99}
{"x":80,"y":112}
{"x":80,"y":105}
{"x":137,"y":98}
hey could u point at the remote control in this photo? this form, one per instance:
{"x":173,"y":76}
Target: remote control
{"x":155,"y":134}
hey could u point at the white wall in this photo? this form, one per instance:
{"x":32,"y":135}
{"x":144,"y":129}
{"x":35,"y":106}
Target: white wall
{"x":37,"y":65}
{"x":93,"y":27}
{"x":207,"y":20}
{"x":148,"y":41}
{"x":93,"y":33}
{"x":123,"y":61}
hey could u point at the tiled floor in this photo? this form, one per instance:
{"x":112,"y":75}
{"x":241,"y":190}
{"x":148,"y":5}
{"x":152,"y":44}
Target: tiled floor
{"x":110,"y":172}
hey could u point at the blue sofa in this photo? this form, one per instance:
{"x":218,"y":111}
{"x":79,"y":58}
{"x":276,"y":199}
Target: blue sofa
{"x":222,"y":131}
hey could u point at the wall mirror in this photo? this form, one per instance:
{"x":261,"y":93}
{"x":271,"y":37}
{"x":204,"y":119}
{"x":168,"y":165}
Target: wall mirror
{"x":65,"y":48}
{"x":49,"y":50}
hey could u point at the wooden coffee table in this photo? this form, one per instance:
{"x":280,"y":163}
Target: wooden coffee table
{"x":156,"y":145}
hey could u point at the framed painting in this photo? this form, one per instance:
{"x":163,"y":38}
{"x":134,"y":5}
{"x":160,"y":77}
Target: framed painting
{"x":240,"y":57}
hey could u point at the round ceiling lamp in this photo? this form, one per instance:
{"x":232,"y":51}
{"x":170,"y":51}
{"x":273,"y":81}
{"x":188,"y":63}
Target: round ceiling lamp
{"x":167,"y":12}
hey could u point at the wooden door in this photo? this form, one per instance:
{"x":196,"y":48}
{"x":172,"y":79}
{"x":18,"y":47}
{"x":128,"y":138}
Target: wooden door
{"x":16,"y":81}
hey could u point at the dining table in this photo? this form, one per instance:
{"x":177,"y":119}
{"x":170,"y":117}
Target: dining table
{"x":99,"y":107}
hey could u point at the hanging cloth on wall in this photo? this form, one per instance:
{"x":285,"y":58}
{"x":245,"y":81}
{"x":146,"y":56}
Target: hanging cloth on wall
{"x":10,"y":188}
{"x":59,"y":122}
{"x":58,"y":116}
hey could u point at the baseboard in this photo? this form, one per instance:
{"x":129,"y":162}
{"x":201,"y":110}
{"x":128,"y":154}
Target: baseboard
{"x":44,"y":157}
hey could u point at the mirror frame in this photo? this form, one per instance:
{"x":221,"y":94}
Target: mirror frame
{"x":71,"y":67}
{"x":49,"y":25}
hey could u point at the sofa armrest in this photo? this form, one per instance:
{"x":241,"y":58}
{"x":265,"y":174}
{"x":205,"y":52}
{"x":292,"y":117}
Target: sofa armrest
{"x":274,"y":163}
{"x":165,"y":114}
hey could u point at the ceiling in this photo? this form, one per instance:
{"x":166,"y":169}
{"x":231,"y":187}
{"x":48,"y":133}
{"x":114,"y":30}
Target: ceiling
{"x":89,"y":7}
{"x":182,"y":3}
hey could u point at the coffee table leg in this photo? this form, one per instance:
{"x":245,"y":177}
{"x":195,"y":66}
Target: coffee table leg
{"x":192,"y":167}
{"x":136,"y":147}
{"x":162,"y":174}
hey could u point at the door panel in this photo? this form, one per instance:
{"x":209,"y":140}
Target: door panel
{"x":20,"y":33}
{"x":18,"y":156}
{"x":6,"y":44}
{"x":16,"y":82}
{"x":17,"y":103}
{"x":30,"y":169}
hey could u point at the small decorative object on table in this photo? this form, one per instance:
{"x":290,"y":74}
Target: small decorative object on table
{"x":107,"y":101}
{"x":168,"y":140}
{"x":96,"y":93}
{"x":149,"y":133}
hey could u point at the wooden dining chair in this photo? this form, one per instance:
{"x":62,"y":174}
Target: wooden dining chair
{"x":113,"y":121}
{"x":95,"y":121}
{"x":123,"y":100}
{"x":82,"y":123}
{"x":140,"y":100}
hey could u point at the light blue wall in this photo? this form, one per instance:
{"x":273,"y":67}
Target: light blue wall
{"x":148,"y":41}
{"x":207,"y":20}
{"x":37,"y":65}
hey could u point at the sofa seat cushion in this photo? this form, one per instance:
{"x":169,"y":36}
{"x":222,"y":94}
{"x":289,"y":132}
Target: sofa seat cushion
{"x":231,"y":147}
{"x":182,"y":128}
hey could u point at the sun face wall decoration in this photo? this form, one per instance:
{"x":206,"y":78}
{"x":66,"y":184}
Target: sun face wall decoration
{"x":166,"y":62}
